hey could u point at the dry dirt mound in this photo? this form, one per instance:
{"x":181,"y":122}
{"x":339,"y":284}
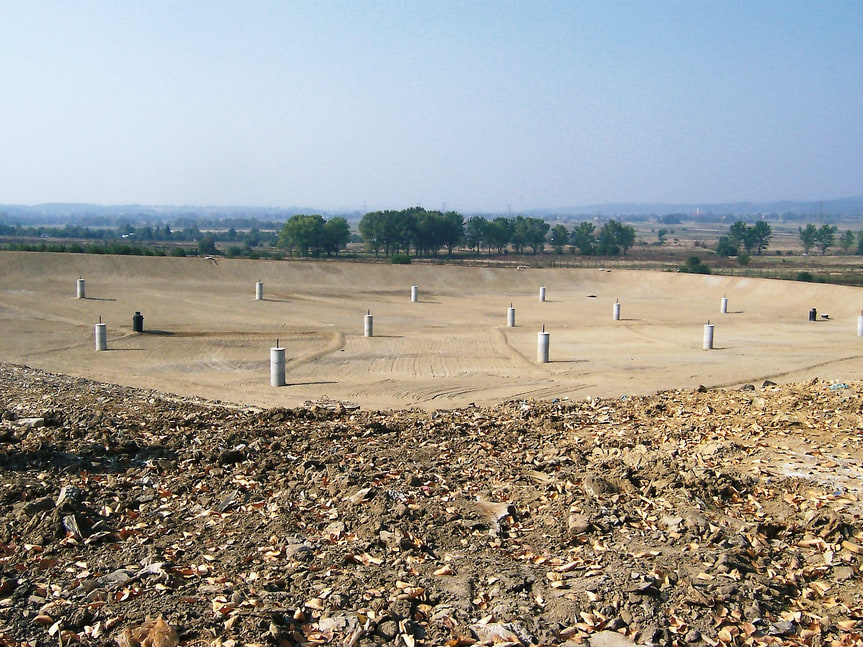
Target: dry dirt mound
{"x":683,"y":518}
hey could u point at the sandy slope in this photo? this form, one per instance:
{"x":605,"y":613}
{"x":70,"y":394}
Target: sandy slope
{"x":206,"y":335}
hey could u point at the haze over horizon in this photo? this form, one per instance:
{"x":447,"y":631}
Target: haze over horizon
{"x":472,"y":106}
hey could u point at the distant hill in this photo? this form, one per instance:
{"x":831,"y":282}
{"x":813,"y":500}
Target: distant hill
{"x":846,"y":207}
{"x":90,"y":214}
{"x":94,"y":214}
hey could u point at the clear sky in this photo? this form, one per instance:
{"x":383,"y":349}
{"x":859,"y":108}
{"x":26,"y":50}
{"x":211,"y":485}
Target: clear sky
{"x":466,"y":104}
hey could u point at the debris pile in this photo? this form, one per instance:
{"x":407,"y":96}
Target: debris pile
{"x":727,"y":517}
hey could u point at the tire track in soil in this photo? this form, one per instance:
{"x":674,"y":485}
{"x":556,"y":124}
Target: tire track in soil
{"x":479,"y":365}
{"x":808,"y":369}
{"x":222,"y":346}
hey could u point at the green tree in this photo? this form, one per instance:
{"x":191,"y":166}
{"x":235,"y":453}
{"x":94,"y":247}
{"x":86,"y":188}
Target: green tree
{"x":694,"y":265}
{"x":826,"y":238}
{"x":206,"y":246}
{"x":452,"y":230}
{"x":559,"y":238}
{"x":426,"y":239}
{"x":607,"y":240}
{"x":755,"y":237}
{"x":536,"y":232}
{"x":846,"y":240}
{"x":760,"y":235}
{"x":335,"y":235}
{"x":626,"y":237}
{"x":519,"y":236}
{"x":737,"y":235}
{"x":401,"y":228}
{"x":371,"y":227}
{"x":808,"y":237}
{"x":499,"y":233}
{"x":725,"y":247}
{"x":475,"y":232}
{"x":303,"y":233}
{"x":584,"y":238}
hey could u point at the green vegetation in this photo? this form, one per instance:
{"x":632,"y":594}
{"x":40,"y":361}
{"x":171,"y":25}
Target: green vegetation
{"x":749,"y":237}
{"x":767,"y":246}
{"x":395,"y":232}
{"x":694,"y":265}
{"x":613,"y":237}
{"x":313,"y":236}
{"x":825,"y":238}
{"x":808,"y":236}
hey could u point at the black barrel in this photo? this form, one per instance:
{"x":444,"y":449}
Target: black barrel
{"x":813,"y":315}
{"x":138,"y":322}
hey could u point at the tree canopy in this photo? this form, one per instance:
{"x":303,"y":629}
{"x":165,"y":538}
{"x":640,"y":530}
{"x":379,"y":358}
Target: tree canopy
{"x":750,"y":237}
{"x":427,"y":232}
{"x":311,"y":235}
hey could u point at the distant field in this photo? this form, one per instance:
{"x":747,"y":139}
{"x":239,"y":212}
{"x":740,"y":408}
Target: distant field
{"x":206,"y":335}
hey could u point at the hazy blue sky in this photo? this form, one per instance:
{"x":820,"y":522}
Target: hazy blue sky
{"x":479,"y":106}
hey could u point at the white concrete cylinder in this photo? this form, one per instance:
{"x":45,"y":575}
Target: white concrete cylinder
{"x":101,"y":336}
{"x":81,"y":289}
{"x":259,"y":291}
{"x":616,"y":312}
{"x":860,"y":326}
{"x":368,"y":326}
{"x":542,"y":340}
{"x":414,"y":293}
{"x":542,"y":293}
{"x":277,"y":366}
{"x":708,"y":337}
{"x":510,"y":317}
{"x":723,"y":307}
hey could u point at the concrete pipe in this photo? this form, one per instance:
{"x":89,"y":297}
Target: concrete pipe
{"x":277,"y":366}
{"x":708,"y":337}
{"x":542,"y":342}
{"x":101,"y":336}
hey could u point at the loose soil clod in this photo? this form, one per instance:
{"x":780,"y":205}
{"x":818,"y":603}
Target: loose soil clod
{"x":684,"y":518}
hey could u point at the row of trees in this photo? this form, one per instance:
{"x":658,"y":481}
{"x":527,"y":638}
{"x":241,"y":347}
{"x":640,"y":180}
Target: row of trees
{"x":824,"y":237}
{"x":749,"y":237}
{"x":500,"y":233}
{"x":521,"y":232}
{"x":610,"y":240}
{"x":143,"y":234}
{"x":426,"y":232}
{"x":311,"y":235}
{"x":742,"y":237}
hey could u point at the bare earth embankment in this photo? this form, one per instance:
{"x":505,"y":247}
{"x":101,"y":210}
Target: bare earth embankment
{"x":206,"y":335}
{"x":653,"y":512}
